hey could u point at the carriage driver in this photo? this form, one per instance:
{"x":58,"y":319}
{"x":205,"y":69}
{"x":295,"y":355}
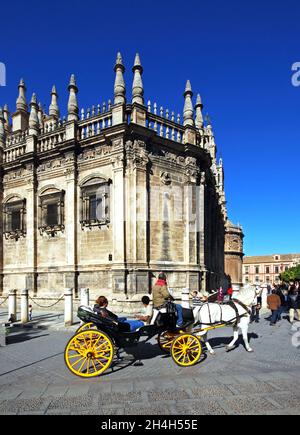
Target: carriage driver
{"x":161,"y":294}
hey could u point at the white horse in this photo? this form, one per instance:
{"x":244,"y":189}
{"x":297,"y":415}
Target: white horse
{"x":211,"y":314}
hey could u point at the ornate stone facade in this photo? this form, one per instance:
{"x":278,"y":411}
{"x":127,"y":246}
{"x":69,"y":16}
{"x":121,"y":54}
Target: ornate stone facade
{"x":109,"y":196}
{"x":234,"y":253}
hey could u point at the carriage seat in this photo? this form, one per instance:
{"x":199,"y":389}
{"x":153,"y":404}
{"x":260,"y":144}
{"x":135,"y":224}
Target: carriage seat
{"x":87,"y":314}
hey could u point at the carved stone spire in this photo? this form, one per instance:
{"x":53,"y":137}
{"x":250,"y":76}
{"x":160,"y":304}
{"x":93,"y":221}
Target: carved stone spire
{"x":199,"y":117}
{"x":119,"y":88}
{"x":20,"y":117}
{"x":188,"y":111}
{"x":21,"y":100}
{"x":33,"y":118}
{"x":53,"y":108}
{"x":6,"y":115}
{"x":137,"y":86}
{"x":41,"y":115}
{"x":2,"y":129}
{"x":73,"y":109}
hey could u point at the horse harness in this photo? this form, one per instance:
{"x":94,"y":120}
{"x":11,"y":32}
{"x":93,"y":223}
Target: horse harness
{"x":236,"y":319}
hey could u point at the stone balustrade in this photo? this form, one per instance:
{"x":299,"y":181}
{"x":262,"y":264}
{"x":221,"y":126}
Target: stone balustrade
{"x":13,"y":153}
{"x":94,"y":125}
{"x":50,"y":140}
{"x":164,"y":124}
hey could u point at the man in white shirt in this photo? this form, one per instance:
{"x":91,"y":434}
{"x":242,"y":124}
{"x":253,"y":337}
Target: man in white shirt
{"x":147,"y":311}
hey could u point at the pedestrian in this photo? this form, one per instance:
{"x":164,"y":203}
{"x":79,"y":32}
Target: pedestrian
{"x":256,"y":307}
{"x":274,"y":303}
{"x":30,"y":312}
{"x":294,"y":303}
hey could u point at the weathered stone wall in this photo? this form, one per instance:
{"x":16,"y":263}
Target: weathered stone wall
{"x":163,"y":216}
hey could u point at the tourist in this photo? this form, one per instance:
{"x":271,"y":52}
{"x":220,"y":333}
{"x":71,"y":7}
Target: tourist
{"x":274,"y":304}
{"x":101,"y":308}
{"x":161,"y":295}
{"x":256,"y":307}
{"x":293,"y":302}
{"x":147,"y":313}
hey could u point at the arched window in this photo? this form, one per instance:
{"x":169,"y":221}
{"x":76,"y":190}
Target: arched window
{"x":95,"y":202}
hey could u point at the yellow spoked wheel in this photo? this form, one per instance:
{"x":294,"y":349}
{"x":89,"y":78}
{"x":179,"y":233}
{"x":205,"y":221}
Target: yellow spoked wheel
{"x":86,"y":326}
{"x":165,"y":340}
{"x":186,"y":350}
{"x":89,"y":353}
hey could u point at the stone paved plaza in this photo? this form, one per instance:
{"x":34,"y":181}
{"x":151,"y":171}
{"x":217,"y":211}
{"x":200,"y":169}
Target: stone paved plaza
{"x":35,"y":380}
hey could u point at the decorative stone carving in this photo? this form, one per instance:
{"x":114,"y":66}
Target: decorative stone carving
{"x":166,"y":178}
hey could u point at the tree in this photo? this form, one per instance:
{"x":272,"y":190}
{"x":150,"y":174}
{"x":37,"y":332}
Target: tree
{"x":292,"y":274}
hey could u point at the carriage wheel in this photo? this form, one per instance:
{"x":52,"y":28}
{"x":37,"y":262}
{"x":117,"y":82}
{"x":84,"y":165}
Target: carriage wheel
{"x":89,"y":353}
{"x":165,"y":340}
{"x":186,"y":350}
{"x":85,"y":327}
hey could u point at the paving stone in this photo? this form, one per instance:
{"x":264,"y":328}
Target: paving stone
{"x":114,"y":398}
{"x":243,"y":405}
{"x":200,"y":408}
{"x":71,"y":402}
{"x":252,"y":388}
{"x":167,"y":395}
{"x":23,"y":405}
{"x":211,"y":390}
{"x":287,"y":400}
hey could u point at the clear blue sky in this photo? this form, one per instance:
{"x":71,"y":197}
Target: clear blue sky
{"x":237,"y":54}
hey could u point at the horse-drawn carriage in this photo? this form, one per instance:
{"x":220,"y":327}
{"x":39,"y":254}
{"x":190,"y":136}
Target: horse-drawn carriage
{"x":91,"y":351}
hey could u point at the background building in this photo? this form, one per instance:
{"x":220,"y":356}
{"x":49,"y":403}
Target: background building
{"x":110,"y":195}
{"x":267,"y":268}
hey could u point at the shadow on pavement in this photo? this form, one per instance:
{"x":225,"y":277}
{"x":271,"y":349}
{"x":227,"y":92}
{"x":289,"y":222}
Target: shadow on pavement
{"x":221,"y":342}
{"x":13,"y":338}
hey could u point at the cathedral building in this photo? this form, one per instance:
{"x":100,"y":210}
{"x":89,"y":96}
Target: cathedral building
{"x":107,"y":197}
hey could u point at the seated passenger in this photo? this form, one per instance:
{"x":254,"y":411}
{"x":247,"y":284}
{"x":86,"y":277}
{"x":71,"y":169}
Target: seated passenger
{"x":147,"y":313}
{"x":161,"y":295}
{"x":101,"y":308}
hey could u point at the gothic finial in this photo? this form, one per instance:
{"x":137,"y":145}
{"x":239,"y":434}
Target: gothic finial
{"x":137,"y":86}
{"x":199,"y":117}
{"x":188,"y":111}
{"x":6,"y":115}
{"x":53,"y":108}
{"x":119,"y":87}
{"x":73,"y":109}
{"x":21,"y":100}
{"x":33,"y":118}
{"x":2,"y":129}
{"x":40,"y":114}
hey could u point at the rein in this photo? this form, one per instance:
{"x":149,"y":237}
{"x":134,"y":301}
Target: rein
{"x":234,"y":320}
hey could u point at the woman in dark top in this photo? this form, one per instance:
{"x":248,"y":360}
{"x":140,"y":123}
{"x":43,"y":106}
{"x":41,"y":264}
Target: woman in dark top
{"x":101,"y":308}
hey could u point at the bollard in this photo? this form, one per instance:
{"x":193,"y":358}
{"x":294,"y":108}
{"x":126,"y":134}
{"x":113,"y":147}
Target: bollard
{"x":85,"y":297}
{"x":12,"y":306}
{"x":185,"y":297}
{"x":24,"y":306}
{"x":2,"y":335}
{"x":68,"y":306}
